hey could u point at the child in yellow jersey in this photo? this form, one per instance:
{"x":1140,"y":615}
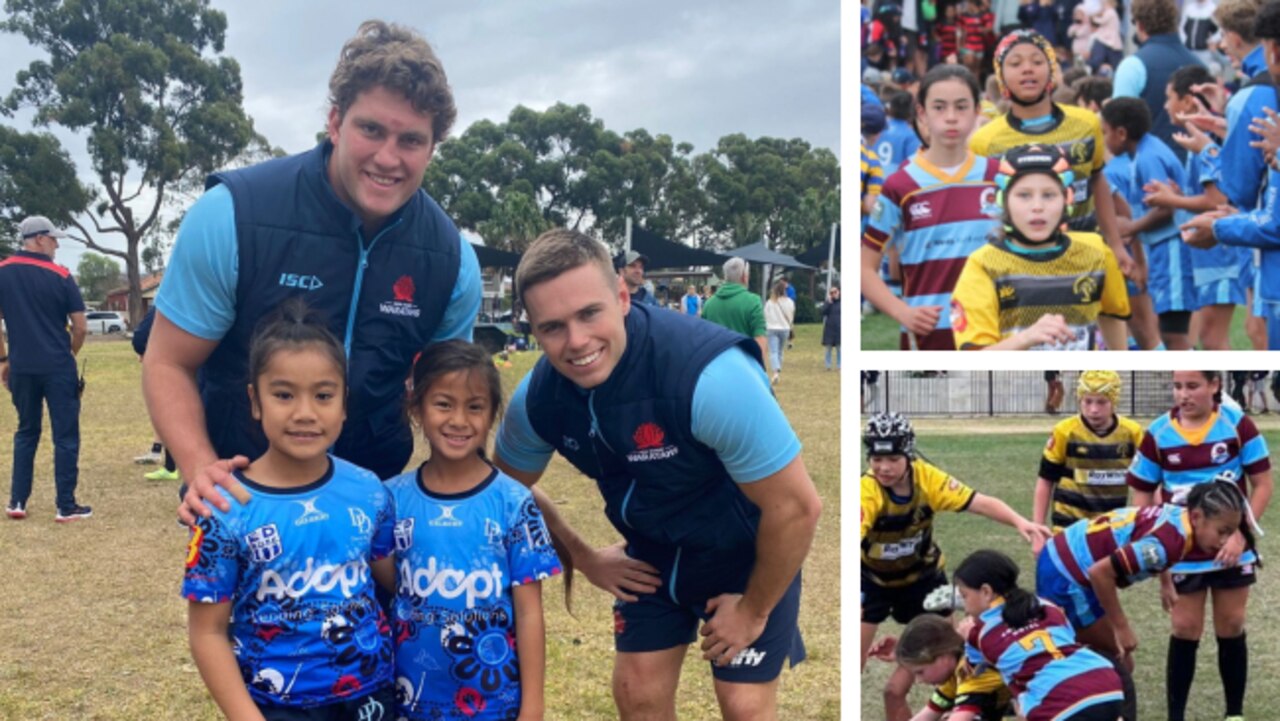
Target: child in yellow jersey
{"x":933,"y":651}
{"x":1038,"y":287}
{"x":901,"y":563}
{"x":1082,"y":471}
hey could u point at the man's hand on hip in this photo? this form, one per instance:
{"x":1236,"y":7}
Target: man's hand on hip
{"x":732,"y":627}
{"x":613,"y":570}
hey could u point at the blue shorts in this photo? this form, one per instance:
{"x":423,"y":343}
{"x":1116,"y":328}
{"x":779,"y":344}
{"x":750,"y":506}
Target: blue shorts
{"x":1053,"y":584}
{"x":1224,"y":291}
{"x":656,"y":623}
{"x":1270,"y":311}
{"x":381,"y":704}
{"x":1171,"y":281}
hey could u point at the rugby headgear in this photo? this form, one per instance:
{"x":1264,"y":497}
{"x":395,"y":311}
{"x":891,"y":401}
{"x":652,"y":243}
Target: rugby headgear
{"x":1029,"y":37}
{"x":1106,"y":383}
{"x":1028,"y":159}
{"x":889,"y":434}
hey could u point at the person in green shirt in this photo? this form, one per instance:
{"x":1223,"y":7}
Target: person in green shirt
{"x":735,"y":307}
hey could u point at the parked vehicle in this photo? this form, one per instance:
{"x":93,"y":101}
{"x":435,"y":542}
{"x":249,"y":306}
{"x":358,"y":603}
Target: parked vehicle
{"x":105,"y":321}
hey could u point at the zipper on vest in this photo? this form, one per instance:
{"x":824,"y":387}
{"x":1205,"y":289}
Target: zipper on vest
{"x":355,"y":293}
{"x":595,"y":424}
{"x":675,"y":567}
{"x":626,"y":501}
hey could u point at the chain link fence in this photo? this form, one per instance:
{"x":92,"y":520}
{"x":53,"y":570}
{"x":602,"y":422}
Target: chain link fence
{"x":1016,"y":393}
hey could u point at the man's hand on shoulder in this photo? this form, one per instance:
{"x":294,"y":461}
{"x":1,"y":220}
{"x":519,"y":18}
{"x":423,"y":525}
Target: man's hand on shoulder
{"x":203,"y":487}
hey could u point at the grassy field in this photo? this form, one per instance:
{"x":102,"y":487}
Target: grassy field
{"x":880,"y":332}
{"x":93,"y":626}
{"x":1005,"y":465}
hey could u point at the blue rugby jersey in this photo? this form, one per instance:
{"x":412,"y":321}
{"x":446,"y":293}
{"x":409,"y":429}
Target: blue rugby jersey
{"x":1175,"y":460}
{"x":1048,"y":671}
{"x":457,"y":557}
{"x":1141,"y":542}
{"x":305,"y":627}
{"x":1222,"y":262}
{"x":936,"y":221}
{"x":896,"y":145}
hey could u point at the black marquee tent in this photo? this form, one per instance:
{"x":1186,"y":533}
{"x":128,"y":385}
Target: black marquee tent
{"x":758,"y":253}
{"x":663,"y":253}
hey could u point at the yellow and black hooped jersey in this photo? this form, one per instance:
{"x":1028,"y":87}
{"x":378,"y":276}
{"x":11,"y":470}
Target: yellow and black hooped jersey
{"x":978,"y":691}
{"x":1088,"y":468}
{"x":897,"y":533}
{"x":1002,"y":291}
{"x":1076,"y":131}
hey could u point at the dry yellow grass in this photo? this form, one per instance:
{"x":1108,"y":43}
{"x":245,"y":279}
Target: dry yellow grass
{"x":93,"y":626}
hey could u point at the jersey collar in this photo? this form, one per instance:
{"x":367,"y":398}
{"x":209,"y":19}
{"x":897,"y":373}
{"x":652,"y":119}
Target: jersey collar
{"x":938,"y":173}
{"x":1041,"y":129}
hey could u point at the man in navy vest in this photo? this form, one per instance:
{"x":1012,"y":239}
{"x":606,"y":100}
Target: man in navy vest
{"x":38,"y":298}
{"x":1145,"y":74}
{"x":347,"y":227}
{"x":700,"y":472}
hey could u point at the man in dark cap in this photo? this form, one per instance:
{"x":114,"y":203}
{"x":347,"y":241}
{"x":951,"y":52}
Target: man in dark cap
{"x":631,"y":265}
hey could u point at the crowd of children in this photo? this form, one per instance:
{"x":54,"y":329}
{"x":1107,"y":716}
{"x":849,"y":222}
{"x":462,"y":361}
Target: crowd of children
{"x":1181,"y":500}
{"x":944,"y":235}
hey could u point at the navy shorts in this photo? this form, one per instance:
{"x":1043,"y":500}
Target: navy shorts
{"x":380,"y":704}
{"x":656,"y":623}
{"x":903,"y":603}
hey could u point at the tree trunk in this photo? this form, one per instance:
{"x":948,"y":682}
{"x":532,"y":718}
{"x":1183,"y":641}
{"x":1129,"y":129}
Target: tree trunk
{"x":135,"y":282}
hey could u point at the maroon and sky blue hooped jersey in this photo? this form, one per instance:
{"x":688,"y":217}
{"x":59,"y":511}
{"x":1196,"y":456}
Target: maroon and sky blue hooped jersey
{"x":1044,"y":667}
{"x":1175,"y":460}
{"x":294,"y":563}
{"x":1140,"y":542}
{"x":457,"y":558}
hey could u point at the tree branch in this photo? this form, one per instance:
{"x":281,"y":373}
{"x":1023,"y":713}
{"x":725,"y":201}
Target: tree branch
{"x":155,"y":210}
{"x":89,"y":243}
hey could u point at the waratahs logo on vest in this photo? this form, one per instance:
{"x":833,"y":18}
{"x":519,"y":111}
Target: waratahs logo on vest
{"x":402,"y":299}
{"x":649,"y":439}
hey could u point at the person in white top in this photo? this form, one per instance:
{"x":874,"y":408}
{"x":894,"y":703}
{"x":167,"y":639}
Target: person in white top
{"x":779,"y":316}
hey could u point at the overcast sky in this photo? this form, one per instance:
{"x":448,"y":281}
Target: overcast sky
{"x":695,"y":71}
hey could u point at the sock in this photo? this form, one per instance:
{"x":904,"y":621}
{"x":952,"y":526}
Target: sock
{"x":155,"y":447}
{"x":1233,"y":666}
{"x":169,"y":464}
{"x":1179,"y":672}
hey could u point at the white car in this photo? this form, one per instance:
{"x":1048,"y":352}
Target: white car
{"x":105,"y":321}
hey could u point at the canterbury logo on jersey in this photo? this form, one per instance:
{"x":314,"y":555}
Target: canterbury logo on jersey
{"x":450,"y":583}
{"x":313,"y":578}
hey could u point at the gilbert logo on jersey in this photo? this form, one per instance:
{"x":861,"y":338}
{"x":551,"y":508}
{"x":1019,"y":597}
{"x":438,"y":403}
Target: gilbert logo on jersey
{"x":649,"y":439}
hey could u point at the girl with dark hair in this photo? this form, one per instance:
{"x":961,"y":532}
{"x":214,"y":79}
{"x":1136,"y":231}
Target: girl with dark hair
{"x":1033,"y":647}
{"x":307,"y":544}
{"x":1186,"y":447}
{"x":1082,"y":567}
{"x":477,"y":646}
{"x":934,"y":212}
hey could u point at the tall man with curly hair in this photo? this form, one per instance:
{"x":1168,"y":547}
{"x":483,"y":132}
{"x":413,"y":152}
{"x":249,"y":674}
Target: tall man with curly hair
{"x":1145,"y":74}
{"x":344,"y":225}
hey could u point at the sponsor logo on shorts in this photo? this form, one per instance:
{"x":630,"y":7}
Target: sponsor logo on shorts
{"x":264,"y":543}
{"x":649,"y":439}
{"x":619,"y":623}
{"x":748,"y":657}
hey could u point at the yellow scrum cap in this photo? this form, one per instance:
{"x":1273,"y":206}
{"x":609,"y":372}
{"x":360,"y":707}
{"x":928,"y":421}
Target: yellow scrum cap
{"x":1105,"y":383}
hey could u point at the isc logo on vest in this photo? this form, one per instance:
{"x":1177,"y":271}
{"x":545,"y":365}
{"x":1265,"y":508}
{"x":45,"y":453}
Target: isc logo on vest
{"x":451,"y":583}
{"x":305,"y":282}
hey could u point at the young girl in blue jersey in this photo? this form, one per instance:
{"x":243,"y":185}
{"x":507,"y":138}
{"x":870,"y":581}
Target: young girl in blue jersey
{"x":1032,"y":645}
{"x":1190,"y":445}
{"x":1085,"y":564}
{"x":471,"y":550}
{"x":935,"y":211}
{"x":282,"y":617}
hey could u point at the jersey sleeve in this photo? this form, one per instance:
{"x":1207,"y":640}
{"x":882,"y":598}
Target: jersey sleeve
{"x":736,"y":414}
{"x":1115,"y":296}
{"x":885,"y":220}
{"x":975,"y":310}
{"x":1253,"y":447}
{"x":944,"y":696}
{"x":384,"y":529}
{"x":198,"y":293}
{"x":464,"y":302}
{"x":1053,"y":463}
{"x":1145,"y":556}
{"x":530,"y":555}
{"x":516,"y":442}
{"x":75,"y":301}
{"x":944,"y":491}
{"x":1130,"y":78}
{"x":213,"y":570}
{"x":1145,"y":473}
{"x":870,"y":502}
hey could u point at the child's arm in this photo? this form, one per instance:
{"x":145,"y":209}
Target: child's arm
{"x":384,"y":572}
{"x":531,"y":642}
{"x":207,"y":632}
{"x":1102,"y":576}
{"x":1154,"y":218}
{"x":998,"y":510}
{"x":1040,"y":509}
{"x":928,"y":714}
